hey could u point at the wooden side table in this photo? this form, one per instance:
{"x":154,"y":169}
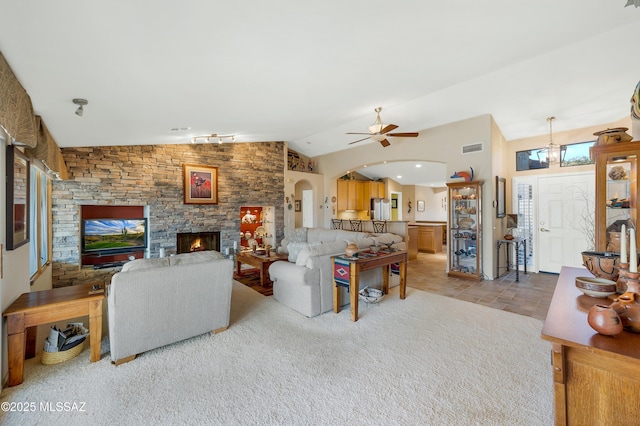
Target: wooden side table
{"x":348,"y":270}
{"x":517,"y":243}
{"x":44,"y":307}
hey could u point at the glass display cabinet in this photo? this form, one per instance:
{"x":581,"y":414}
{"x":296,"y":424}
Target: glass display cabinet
{"x":465,"y":230}
{"x":616,"y":192}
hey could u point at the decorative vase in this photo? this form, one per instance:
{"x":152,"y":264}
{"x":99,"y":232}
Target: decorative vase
{"x":351,"y":250}
{"x":627,"y":306}
{"x":614,"y":242}
{"x":611,"y":136}
{"x":605,"y":320}
{"x":621,"y":283}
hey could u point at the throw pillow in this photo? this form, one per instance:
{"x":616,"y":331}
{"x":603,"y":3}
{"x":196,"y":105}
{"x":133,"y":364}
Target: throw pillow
{"x":294,"y":250}
{"x":297,"y":235}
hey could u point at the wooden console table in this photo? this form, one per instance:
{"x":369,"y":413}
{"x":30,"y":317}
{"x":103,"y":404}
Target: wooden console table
{"x":357,"y":265}
{"x":596,"y":378}
{"x":44,"y":307}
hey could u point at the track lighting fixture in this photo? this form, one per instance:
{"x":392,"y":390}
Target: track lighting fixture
{"x":81,"y":102}
{"x":212,"y":137}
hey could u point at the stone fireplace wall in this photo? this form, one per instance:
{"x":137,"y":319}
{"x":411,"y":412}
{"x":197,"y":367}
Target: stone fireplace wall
{"x":152,"y":176}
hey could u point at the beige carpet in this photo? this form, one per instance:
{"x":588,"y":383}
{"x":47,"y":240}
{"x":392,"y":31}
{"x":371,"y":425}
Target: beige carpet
{"x":428,"y":360}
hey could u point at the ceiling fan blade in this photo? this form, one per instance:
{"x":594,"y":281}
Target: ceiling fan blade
{"x":356,"y":133}
{"x":388,"y":128}
{"x":359,"y":140}
{"x":385,"y":143}
{"x":405,"y":135}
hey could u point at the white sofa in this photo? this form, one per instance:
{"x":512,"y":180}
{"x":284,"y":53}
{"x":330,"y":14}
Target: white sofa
{"x":155,"y":302}
{"x":305,"y":282}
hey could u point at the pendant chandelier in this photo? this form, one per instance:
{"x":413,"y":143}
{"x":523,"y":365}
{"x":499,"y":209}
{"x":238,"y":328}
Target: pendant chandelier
{"x":553,"y":149}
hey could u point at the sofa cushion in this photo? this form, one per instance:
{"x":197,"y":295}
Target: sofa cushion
{"x":196,"y":257}
{"x":321,"y":234}
{"x":294,"y":249}
{"x":315,"y":250}
{"x":140,"y":264}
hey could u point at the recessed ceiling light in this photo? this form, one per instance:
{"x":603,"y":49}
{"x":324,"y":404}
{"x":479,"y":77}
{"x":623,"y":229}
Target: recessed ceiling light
{"x":418,"y":165}
{"x":399,"y":177}
{"x":365,"y":166}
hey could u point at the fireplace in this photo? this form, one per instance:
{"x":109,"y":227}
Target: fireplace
{"x":188,"y":242}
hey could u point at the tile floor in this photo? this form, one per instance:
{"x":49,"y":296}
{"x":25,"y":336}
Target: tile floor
{"x":531,"y":296}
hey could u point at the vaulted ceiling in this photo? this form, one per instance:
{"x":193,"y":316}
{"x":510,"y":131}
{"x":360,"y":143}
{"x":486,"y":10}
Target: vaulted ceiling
{"x":308,"y":72}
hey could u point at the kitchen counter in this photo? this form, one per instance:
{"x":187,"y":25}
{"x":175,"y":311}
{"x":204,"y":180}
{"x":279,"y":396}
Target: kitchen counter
{"x":431,"y":236}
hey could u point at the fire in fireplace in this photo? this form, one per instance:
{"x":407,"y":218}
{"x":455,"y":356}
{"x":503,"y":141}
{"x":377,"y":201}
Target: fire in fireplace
{"x":188,"y":242}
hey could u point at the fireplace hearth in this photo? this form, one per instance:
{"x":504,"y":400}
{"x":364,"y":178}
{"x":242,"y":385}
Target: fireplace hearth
{"x":188,"y":242}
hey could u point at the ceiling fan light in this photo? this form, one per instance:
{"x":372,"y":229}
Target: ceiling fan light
{"x":376,"y":128}
{"x":378,"y":138}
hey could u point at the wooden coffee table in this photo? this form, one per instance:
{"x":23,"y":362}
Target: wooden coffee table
{"x":44,"y":307}
{"x":260,"y":262}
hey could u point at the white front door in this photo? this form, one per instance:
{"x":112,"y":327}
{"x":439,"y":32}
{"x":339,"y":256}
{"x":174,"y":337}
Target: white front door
{"x":565,"y":220}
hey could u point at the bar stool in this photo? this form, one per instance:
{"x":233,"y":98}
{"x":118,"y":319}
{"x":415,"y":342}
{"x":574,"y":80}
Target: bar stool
{"x":336,"y":223}
{"x":356,"y":225}
{"x":379,"y":226}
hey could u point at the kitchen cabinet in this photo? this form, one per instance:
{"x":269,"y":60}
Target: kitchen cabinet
{"x":430,"y":238}
{"x":465,"y":230}
{"x":617,"y":189}
{"x":357,"y":194}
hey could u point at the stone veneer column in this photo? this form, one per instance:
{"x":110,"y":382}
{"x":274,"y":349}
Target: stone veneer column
{"x":151,"y":175}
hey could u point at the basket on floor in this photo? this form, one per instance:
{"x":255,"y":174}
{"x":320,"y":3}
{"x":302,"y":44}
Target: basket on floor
{"x":50,"y":358}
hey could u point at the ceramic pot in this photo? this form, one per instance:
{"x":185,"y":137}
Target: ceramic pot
{"x":602,"y":264}
{"x":351,"y":249}
{"x":611,"y":136}
{"x":621,"y":283}
{"x":605,"y":320}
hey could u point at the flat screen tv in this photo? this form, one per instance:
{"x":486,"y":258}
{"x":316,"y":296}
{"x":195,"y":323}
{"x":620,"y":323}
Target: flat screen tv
{"x":110,"y":236}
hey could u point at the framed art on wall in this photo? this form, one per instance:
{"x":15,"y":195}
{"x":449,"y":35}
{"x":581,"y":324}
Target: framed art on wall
{"x":200,"y":184}
{"x":298,"y":205}
{"x":17,"y":198}
{"x":420,"y":205}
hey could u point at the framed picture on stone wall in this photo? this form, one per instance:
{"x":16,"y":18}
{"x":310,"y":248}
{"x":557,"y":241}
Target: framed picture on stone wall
{"x":17,"y":198}
{"x":200,"y":184}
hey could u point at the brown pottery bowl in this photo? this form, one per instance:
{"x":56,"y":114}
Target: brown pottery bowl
{"x":602,"y":264}
{"x":596,"y":287}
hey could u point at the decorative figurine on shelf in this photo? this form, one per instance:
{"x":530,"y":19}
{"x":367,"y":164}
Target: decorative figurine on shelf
{"x":468,"y":177}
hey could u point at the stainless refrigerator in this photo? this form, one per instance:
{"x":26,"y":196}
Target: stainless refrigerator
{"x":380,"y":209}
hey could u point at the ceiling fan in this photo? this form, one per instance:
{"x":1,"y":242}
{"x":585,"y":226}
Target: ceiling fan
{"x":379,"y":131}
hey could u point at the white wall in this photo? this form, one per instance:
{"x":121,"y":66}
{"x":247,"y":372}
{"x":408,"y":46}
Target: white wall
{"x":435,"y":204}
{"x":15,"y":263}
